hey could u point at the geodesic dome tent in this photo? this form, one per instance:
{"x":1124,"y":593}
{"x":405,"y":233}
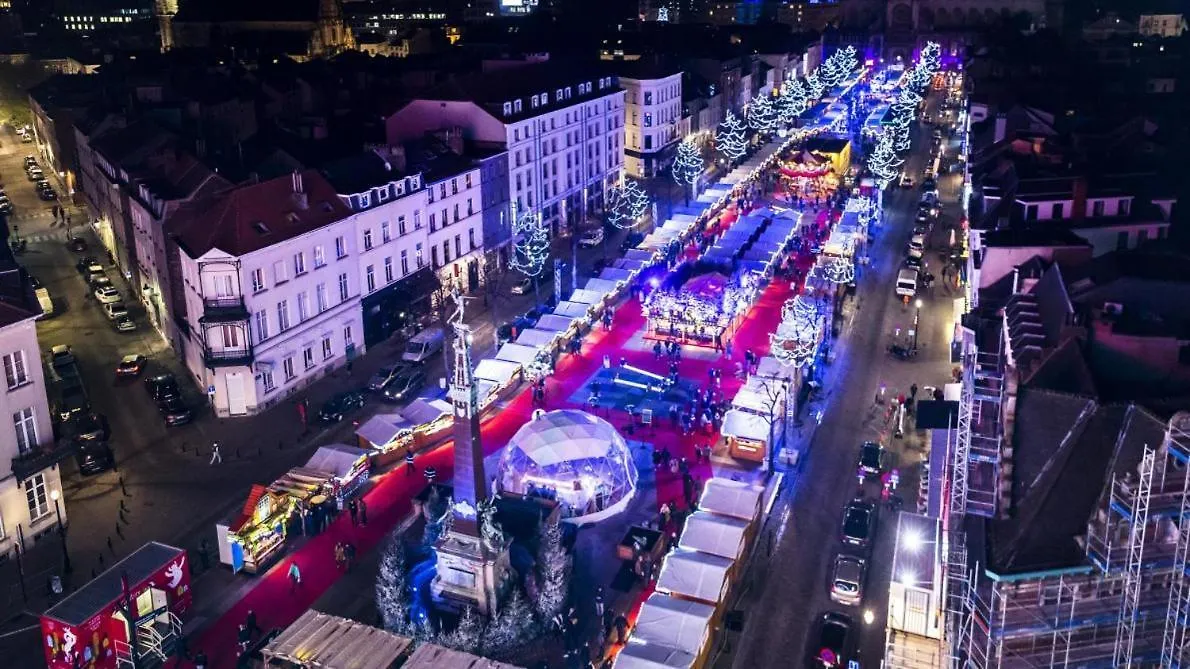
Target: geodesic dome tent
{"x":573,"y":457}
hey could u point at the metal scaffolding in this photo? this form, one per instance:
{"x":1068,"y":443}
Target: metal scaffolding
{"x":984,"y":434}
{"x":1173,"y":642}
{"x":1060,"y":650}
{"x":1126,"y":628}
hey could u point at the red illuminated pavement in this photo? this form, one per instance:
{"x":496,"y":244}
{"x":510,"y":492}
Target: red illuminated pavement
{"x":389,"y":499}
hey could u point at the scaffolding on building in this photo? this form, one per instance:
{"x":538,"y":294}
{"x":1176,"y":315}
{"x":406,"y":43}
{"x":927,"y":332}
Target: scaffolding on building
{"x":1174,"y":641}
{"x":984,"y":433}
{"x":1130,"y":602}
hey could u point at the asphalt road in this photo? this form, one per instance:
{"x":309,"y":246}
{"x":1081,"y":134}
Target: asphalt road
{"x":789,"y":595}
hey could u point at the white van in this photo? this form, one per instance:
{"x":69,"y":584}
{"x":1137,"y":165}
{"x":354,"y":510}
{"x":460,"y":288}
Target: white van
{"x":907,"y":282}
{"x":423,"y":345}
{"x":43,"y":299}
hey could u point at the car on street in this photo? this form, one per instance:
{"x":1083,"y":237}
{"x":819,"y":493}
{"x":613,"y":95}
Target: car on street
{"x":124,"y":324}
{"x":873,"y":459}
{"x":30,"y":162}
{"x":404,"y":385}
{"x":522,"y":286}
{"x":913,"y":259}
{"x":930,"y":185}
{"x":85,"y":263}
{"x":77,"y":244}
{"x":162,"y":387}
{"x":381,"y":377}
{"x":830,"y":647}
{"x":34,"y":174}
{"x":5,"y":204}
{"x":131,"y":365}
{"x":858,"y":519}
{"x":917,"y":243}
{"x":175,"y":411}
{"x":923,"y":216}
{"x":107,"y":294}
{"x":906,"y":181}
{"x":90,"y":428}
{"x":115,"y":310}
{"x":336,"y":408}
{"x":591,"y":238}
{"x":94,"y":458}
{"x":847,"y":582}
{"x":47,"y":194}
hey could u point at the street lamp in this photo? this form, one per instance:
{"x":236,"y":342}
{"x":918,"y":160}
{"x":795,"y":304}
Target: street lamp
{"x":916,"y":322}
{"x":54,"y":495}
{"x":869,"y":617}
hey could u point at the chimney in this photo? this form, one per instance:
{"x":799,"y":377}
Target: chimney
{"x":1079,"y":211}
{"x":300,"y":199}
{"x":1001,"y":130}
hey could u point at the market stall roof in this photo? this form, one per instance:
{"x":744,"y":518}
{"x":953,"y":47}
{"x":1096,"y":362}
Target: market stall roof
{"x":736,"y":499}
{"x":760,"y":255}
{"x":677,"y":227}
{"x":536,"y":337}
{"x":329,"y":642}
{"x":336,"y":459}
{"x":617,"y":274}
{"x":498,"y":371}
{"x":106,"y":588}
{"x":249,"y":509}
{"x":683,"y":218}
{"x":572,"y":309}
{"x":755,"y":266}
{"x":714,"y":534}
{"x":433,"y":656}
{"x":587,"y":297}
{"x":631,"y":265}
{"x":556,"y":322}
{"x":641,"y":254}
{"x":771,"y":368}
{"x":518,"y":353}
{"x":602,"y":286}
{"x":759,"y":396}
{"x":676,"y":623}
{"x":708,"y":197}
{"x":745,"y":425}
{"x":694,"y":575}
{"x":422,"y":411}
{"x":381,"y":428}
{"x":652,"y":656}
{"x":709,"y":286}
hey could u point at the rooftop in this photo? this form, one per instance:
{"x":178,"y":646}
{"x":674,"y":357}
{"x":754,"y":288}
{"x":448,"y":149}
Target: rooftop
{"x":506,"y":81}
{"x":247,"y":218}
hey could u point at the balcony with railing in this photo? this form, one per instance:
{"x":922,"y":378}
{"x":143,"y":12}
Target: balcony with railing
{"x":227,"y":357}
{"x":224,"y":309}
{"x":43,"y":457}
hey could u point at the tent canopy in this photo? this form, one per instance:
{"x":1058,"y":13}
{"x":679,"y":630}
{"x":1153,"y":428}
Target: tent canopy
{"x":537,"y":338}
{"x":518,"y":353}
{"x":714,"y":534}
{"x":652,"y":656}
{"x":695,"y":575}
{"x":421,"y":411}
{"x":675,"y":623}
{"x":336,"y":459}
{"x":382,"y":428}
{"x":320,"y":640}
{"x":498,"y":371}
{"x":566,"y":435}
{"x":736,"y":499}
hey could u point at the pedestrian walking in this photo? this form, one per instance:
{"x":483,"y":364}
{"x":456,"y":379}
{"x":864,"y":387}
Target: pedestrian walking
{"x":913,"y":391}
{"x":349,"y":554}
{"x":244,"y":638}
{"x":621,"y":624}
{"x":340,"y":555}
{"x":295,"y":576}
{"x":216,"y":456}
{"x":430,"y":474}
{"x":204,"y":554}
{"x":251,"y":624}
{"x":409,"y":468}
{"x":363,"y":512}
{"x":727,"y":349}
{"x":353,"y":509}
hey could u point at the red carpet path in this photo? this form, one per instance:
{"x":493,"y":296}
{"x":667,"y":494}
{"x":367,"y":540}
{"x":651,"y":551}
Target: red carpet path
{"x":390,"y":496}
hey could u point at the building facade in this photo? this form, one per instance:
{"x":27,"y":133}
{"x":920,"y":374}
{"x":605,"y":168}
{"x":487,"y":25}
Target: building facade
{"x":30,"y":481}
{"x":269,"y":275}
{"x":652,"y":113}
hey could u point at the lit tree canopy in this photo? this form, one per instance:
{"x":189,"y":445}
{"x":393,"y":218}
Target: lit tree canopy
{"x":531,"y":245}
{"x":626,"y":204}
{"x":815,"y":85}
{"x":688,"y":163}
{"x":730,"y":140}
{"x":797,"y":335}
{"x":638,"y":199}
{"x":883,"y":162}
{"x":793,"y":101}
{"x":762,"y":115}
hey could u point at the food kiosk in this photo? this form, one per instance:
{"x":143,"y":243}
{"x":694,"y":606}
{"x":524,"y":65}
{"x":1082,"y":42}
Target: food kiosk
{"x":92,"y":627}
{"x":421,"y":424}
{"x":254,"y":539}
{"x":346,"y":467}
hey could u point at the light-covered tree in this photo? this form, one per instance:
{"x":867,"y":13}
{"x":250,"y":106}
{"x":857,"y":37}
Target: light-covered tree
{"x":637,"y":198}
{"x":884,"y":162}
{"x":616,"y":208}
{"x":553,"y":573}
{"x":513,"y":625}
{"x":687,"y":165}
{"x":792,"y":102}
{"x":762,"y":115}
{"x":467,"y":636}
{"x":730,"y":139}
{"x":392,"y":588}
{"x":815,"y":86}
{"x":531,"y":244}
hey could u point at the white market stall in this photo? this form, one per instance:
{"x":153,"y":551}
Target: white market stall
{"x":718,"y":535}
{"x":747,"y":435}
{"x":601,"y":286}
{"x":642,"y":255}
{"x":763,"y":397}
{"x":500,"y":372}
{"x":697,"y":576}
{"x":674,"y":623}
{"x":573,"y":310}
{"x":567,"y":326}
{"x":347,"y":467}
{"x":519,"y":353}
{"x":619,"y":275}
{"x":588,"y":297}
{"x":318,"y":640}
{"x":771,"y":368}
{"x":433,"y":656}
{"x":735,"y":499}
{"x":652,"y":656}
{"x":538,"y":338}
{"x":631,"y":266}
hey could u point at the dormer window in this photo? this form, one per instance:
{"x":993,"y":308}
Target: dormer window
{"x":568,"y":92}
{"x":516,"y":106}
{"x":382,"y":194}
{"x":558,"y":94}
{"x":415,"y":182}
{"x":365,"y":199}
{"x":399,"y":187}
{"x":507,"y":108}
{"x":533,"y":102}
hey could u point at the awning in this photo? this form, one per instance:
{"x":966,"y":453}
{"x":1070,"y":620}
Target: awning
{"x":336,"y":459}
{"x":694,"y":575}
{"x":537,"y":338}
{"x":498,"y":371}
{"x":381,"y":429}
{"x":725,"y":497}
{"x":320,"y":640}
{"x":518,"y":353}
{"x":556,"y":323}
{"x":674,"y":623}
{"x":714,"y":534}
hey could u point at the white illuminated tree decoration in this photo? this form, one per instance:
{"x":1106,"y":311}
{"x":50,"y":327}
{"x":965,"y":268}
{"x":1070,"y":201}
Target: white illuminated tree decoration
{"x":796,"y":338}
{"x":531,"y":247}
{"x":815,"y":85}
{"x":638,"y":199}
{"x":688,"y":163}
{"x":663,"y":15}
{"x":762,"y":116}
{"x":793,"y":101}
{"x":839,"y":270}
{"x":730,"y":139}
{"x":884,"y":162}
{"x":626,"y":204}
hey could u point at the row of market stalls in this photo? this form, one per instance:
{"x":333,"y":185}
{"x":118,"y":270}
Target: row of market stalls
{"x":321,"y":641}
{"x":676,"y":625}
{"x":294,"y":504}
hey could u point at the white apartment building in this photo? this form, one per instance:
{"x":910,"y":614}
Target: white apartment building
{"x":563,"y":131}
{"x":455,"y":216}
{"x":29,"y":479}
{"x":653,"y":111}
{"x":270,"y":278}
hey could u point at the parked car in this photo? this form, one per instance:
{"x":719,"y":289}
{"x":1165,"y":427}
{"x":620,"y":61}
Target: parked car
{"x":5,"y":205}
{"x":858,"y":519}
{"x":124,"y":324}
{"x":77,"y":244}
{"x":107,"y":294}
{"x":906,"y":181}
{"x":337,"y":407}
{"x":913,"y":259}
{"x":30,"y":161}
{"x":94,"y":458}
{"x":847,"y":583}
{"x":90,"y":428}
{"x":84,"y":264}
{"x":873,"y":459}
{"x":115,"y":310}
{"x":162,"y":387}
{"x":381,"y":377}
{"x":917,"y":243}
{"x":174,"y":411}
{"x":405,"y":384}
{"x":830,"y":649}
{"x":522,"y":286}
{"x":591,"y":238}
{"x":131,"y":365}
{"x":47,"y":194}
